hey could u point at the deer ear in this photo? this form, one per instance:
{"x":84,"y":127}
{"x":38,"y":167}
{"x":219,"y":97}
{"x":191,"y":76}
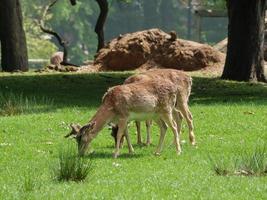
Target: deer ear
{"x":75,"y":128}
{"x":87,"y":127}
{"x":93,"y":124}
{"x":79,"y":126}
{"x":74,"y":131}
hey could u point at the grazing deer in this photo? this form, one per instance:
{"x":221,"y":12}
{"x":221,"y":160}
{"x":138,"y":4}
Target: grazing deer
{"x":136,"y":101}
{"x":184,"y":84}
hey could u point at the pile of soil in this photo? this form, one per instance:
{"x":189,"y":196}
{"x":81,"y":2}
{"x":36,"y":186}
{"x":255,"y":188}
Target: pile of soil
{"x":155,"y":49}
{"x":221,"y":46}
{"x":58,"y":68}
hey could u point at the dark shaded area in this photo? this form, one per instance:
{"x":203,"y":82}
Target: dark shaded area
{"x":217,"y":91}
{"x":244,"y":60}
{"x":109,"y":155}
{"x":65,"y":90}
{"x":86,"y":90}
{"x":12,"y":37}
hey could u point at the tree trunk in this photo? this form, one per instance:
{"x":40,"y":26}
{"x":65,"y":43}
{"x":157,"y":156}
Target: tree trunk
{"x":99,"y":27}
{"x":244,"y":60}
{"x":13,"y":40}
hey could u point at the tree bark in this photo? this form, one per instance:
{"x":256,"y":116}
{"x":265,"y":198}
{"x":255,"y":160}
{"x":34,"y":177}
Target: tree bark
{"x":13,"y":39}
{"x":99,"y":27}
{"x":244,"y":60}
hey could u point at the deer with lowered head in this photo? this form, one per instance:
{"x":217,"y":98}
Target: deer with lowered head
{"x":151,"y":99}
{"x":181,"y":110}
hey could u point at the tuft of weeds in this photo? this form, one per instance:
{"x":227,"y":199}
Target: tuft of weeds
{"x":220,"y":166}
{"x":29,"y":183}
{"x":72,"y":167}
{"x":13,"y":104}
{"x":254,"y":163}
{"x":245,"y":164}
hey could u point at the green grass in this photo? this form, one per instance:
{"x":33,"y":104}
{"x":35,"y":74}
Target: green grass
{"x":230,"y":119}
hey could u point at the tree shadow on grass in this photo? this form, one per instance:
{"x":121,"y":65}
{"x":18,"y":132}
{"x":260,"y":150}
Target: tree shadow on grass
{"x":64,"y":89}
{"x":86,"y":90}
{"x":217,"y":91}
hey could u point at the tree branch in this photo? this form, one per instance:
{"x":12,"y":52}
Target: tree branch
{"x":61,"y":42}
{"x":103,"y":5}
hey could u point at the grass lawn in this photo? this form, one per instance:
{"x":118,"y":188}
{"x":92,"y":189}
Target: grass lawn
{"x":229,"y":117}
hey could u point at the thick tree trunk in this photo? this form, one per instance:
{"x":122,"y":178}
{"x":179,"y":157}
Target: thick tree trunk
{"x":244,"y":60}
{"x":99,"y":28}
{"x":13,"y":40}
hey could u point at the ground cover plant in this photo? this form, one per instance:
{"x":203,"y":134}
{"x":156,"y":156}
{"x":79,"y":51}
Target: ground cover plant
{"x":253,"y":163}
{"x":72,"y":167}
{"x":230,"y":119}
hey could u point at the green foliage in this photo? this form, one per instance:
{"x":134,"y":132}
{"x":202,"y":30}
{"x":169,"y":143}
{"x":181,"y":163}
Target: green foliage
{"x":76,"y":23}
{"x":39,"y":46}
{"x":214,"y":4}
{"x":71,"y":22}
{"x":72,"y":167}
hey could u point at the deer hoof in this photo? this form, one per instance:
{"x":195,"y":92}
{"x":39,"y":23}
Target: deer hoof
{"x":115,"y":155}
{"x":194,"y":143}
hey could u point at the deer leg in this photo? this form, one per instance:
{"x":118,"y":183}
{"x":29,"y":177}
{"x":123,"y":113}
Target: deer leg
{"x":168,"y":119}
{"x":178,"y":119}
{"x":122,"y":125}
{"x":130,"y":147}
{"x":189,"y":119}
{"x":148,"y":129}
{"x":122,"y":141}
{"x":163,"y":129}
{"x":138,"y":128}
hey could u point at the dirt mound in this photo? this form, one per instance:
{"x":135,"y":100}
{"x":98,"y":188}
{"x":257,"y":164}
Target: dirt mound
{"x":221,"y":46}
{"x":155,"y":48}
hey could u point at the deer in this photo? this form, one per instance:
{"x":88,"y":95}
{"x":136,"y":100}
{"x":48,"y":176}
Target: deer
{"x":182,"y":109}
{"x":143,"y":100}
{"x":114,"y":127}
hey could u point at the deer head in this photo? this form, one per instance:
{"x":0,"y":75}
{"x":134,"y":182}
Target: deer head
{"x":83,"y":136}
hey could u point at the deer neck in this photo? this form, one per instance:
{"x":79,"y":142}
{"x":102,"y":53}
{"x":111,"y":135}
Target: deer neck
{"x":102,"y":117}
